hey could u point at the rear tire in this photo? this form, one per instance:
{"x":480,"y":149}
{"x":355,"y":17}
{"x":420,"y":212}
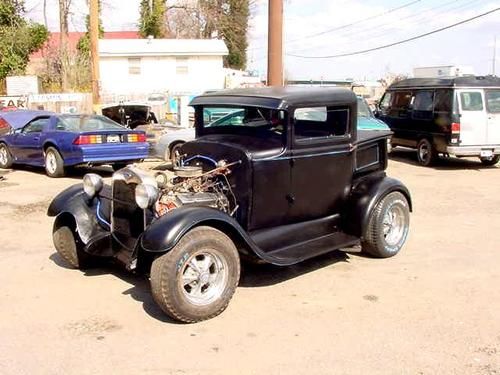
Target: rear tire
{"x":69,"y":246}
{"x":54,"y":163}
{"x":6,"y":159}
{"x":388,"y":226}
{"x":486,"y":161}
{"x":196,"y":280}
{"x":426,"y":153}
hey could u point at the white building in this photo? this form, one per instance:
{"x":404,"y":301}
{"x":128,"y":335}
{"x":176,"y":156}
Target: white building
{"x":178,"y":66}
{"x":442,"y":71}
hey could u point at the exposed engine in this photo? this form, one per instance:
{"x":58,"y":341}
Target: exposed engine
{"x":189,"y":185}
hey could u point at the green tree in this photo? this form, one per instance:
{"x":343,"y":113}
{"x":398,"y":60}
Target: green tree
{"x":152,"y":18}
{"x":18,"y":38}
{"x":233,"y":30}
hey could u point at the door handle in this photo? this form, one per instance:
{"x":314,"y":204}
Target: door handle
{"x":290,"y":198}
{"x":36,"y":138}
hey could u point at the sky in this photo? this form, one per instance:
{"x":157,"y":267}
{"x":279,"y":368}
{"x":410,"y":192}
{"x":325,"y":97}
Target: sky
{"x":315,"y":28}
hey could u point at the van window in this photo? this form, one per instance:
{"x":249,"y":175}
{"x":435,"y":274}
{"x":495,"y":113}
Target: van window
{"x":443,"y":101}
{"x":493,"y":101}
{"x":471,"y":101}
{"x":423,"y":101}
{"x":386,"y":101}
{"x":402,"y":100}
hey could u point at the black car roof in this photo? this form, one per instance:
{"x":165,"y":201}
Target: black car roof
{"x":278,"y":97}
{"x":466,"y":81}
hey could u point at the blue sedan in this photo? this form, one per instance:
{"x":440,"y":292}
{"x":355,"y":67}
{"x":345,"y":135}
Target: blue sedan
{"x":59,"y":141}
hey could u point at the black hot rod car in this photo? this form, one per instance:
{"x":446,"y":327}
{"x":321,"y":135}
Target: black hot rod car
{"x":286,"y":178}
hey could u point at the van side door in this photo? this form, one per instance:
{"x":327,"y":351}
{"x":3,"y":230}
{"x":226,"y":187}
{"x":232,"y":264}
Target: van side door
{"x":473,"y":118}
{"x":493,"y":109}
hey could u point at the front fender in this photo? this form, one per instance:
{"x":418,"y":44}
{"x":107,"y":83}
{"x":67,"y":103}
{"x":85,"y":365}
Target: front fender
{"x":164,"y":233}
{"x":365,"y":196}
{"x":73,"y":204}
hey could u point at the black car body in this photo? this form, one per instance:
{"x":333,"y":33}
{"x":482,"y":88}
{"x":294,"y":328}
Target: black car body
{"x":293,"y":180}
{"x":457,"y":116}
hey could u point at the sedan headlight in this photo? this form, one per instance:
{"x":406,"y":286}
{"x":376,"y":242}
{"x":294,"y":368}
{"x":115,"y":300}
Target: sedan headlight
{"x":92,"y":184}
{"x":145,"y":195}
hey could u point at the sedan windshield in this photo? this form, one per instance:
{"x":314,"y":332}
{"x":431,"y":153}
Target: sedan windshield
{"x":85,"y":123}
{"x":363,"y":109}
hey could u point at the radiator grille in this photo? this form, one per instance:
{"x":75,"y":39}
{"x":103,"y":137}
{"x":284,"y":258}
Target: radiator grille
{"x":127,"y":217}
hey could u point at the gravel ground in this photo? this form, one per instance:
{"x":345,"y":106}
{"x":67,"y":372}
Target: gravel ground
{"x":432,"y":309}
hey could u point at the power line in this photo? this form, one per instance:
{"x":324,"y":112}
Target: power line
{"x":347,"y":25}
{"x":355,"y":22}
{"x":396,"y":43}
{"x":420,"y":17}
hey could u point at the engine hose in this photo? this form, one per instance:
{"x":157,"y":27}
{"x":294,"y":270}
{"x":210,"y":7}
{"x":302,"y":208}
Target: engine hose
{"x":99,"y":217}
{"x":200,"y":157}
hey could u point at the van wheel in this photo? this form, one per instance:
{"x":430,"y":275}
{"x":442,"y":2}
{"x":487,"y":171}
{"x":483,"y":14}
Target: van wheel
{"x":387,"y":227}
{"x":426,"y":153}
{"x":196,"y":279}
{"x":490,"y":161}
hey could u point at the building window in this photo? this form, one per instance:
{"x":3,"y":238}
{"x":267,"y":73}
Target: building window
{"x":134,"y":65}
{"x":182,"y":66}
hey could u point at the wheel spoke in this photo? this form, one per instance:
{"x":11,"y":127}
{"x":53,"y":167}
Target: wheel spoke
{"x":194,"y":264}
{"x":189,"y":276}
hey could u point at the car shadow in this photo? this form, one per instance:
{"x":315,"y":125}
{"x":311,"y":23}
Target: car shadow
{"x":409,"y":156}
{"x":72,"y":172}
{"x":252,"y":276}
{"x":259,"y":275}
{"x":140,"y":290}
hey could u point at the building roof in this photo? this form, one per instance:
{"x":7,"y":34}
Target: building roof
{"x":162,"y":47}
{"x":466,"y":81}
{"x":74,"y":37}
{"x":278,"y":97}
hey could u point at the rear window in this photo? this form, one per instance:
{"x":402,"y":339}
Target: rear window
{"x":471,"y":101}
{"x":83,"y":123}
{"x":493,"y":101}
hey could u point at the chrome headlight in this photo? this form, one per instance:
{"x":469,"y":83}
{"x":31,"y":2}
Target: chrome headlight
{"x":92,"y":184}
{"x":145,"y":195}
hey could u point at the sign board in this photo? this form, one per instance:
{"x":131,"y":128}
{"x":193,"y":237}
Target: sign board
{"x":13,"y":102}
{"x":22,"y":85}
{"x":53,"y":98}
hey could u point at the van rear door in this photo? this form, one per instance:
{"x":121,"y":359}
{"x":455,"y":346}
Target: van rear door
{"x":473,"y":118}
{"x":493,"y":109}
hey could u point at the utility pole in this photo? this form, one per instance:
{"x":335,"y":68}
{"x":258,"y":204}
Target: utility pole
{"x":275,"y":44}
{"x":94,"y":52}
{"x":494,"y":54}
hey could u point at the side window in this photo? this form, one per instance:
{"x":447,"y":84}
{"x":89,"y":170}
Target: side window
{"x":471,"y":101}
{"x":314,"y":123}
{"x":443,"y":101}
{"x":61,"y":126}
{"x":423,"y":105}
{"x":402,"y":100}
{"x":493,"y":101}
{"x":35,"y":126}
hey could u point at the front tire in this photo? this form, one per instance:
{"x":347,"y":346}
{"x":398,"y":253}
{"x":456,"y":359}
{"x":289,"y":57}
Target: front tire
{"x":196,"y":280}
{"x":388,"y":226}
{"x":68,"y":245}
{"x":54,"y":163}
{"x":486,"y":161}
{"x":6,"y":159}
{"x":176,"y":149}
{"x":426,"y":153}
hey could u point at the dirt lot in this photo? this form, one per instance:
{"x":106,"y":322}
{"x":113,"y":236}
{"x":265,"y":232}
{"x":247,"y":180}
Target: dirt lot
{"x":433,"y":309}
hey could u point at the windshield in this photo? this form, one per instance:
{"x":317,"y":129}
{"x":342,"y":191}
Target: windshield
{"x":363,"y":108}
{"x":85,"y":123}
{"x":248,"y":118}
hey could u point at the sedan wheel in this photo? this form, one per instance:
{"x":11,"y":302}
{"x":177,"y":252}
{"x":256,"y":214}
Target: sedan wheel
{"x":54,"y":164}
{"x":5,"y":157}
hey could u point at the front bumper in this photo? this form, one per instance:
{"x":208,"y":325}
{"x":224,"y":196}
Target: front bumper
{"x":473,"y":150}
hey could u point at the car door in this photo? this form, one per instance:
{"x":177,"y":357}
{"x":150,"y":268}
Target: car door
{"x":473,"y":117}
{"x":27,"y":143}
{"x":493,"y":111}
{"x":322,"y":161}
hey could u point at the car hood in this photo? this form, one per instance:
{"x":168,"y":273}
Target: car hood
{"x":371,"y":123}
